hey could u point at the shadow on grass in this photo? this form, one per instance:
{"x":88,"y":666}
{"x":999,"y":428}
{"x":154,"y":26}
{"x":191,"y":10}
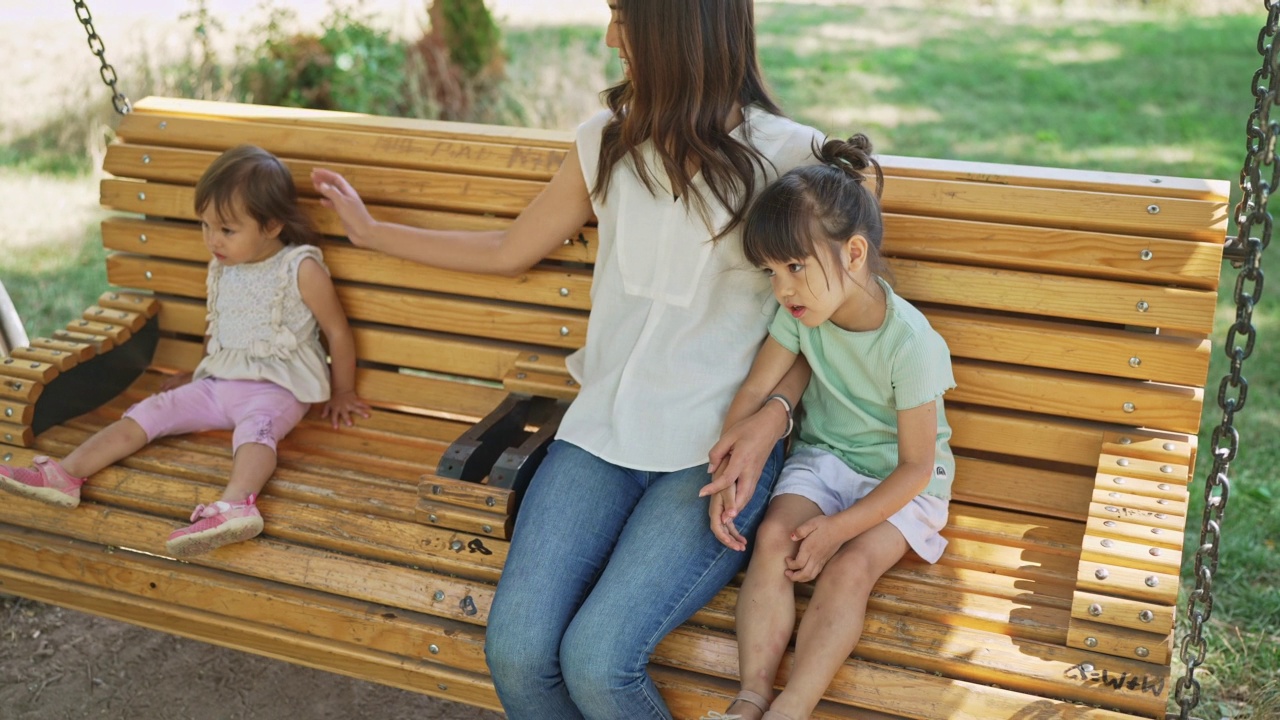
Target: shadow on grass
{"x":1167,"y":95}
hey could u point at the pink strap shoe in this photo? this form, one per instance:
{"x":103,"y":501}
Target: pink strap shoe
{"x":214,"y":525}
{"x":45,"y":481}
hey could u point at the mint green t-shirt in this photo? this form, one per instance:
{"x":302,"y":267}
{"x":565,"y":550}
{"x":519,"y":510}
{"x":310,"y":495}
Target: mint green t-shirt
{"x":862,"y":379}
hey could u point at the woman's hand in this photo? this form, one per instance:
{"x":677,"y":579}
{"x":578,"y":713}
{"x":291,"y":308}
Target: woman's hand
{"x":175,"y":381}
{"x":338,"y":195}
{"x":343,"y":407}
{"x":739,"y":456}
{"x":819,"y":540}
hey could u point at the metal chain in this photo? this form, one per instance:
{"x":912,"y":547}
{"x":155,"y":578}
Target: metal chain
{"x":106,"y":72}
{"x":1252,"y":238}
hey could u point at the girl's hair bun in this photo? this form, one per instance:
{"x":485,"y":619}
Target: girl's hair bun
{"x":853,"y":158}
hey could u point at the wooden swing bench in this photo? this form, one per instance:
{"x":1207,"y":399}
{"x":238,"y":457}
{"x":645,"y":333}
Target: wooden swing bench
{"x":1077,"y":306}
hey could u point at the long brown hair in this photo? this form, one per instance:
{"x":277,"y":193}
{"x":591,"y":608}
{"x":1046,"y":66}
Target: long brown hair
{"x":691,"y":61}
{"x":261,"y":184}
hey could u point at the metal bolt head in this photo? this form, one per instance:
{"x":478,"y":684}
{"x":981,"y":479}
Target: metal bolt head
{"x":1156,"y":531}
{"x":521,"y":376}
{"x":487,"y":528}
{"x":1106,"y":543}
{"x":533,"y":358}
{"x":564,"y":331}
{"x":1162,"y":501}
{"x":1161,"y":516}
{"x":439,"y":595}
{"x":1095,"y":609}
{"x":8,"y":412}
{"x":436,"y":490}
{"x":442,"y":686}
{"x":146,"y":159}
{"x":1155,"y":552}
{"x":1146,"y":616}
{"x":1101,"y":573}
{"x":432,"y":518}
{"x":1113,"y":494}
{"x":1169,"y":446}
{"x":142,"y":239}
{"x":147,"y":274}
{"x":1118,"y":480}
{"x":1086,"y":667}
{"x":8,"y":457}
{"x":564,"y":292}
{"x":1122,"y":462}
{"x":490,"y":501}
{"x":1163,"y":486}
{"x":456,"y":545}
{"x":1141,"y":652}
{"x":434,"y":649}
{"x":1153,"y":209}
{"x":1108,"y":523}
{"x":1143,"y":306}
{"x":1129,"y":407}
{"x":1091,"y":642}
{"x":1126,"y":440}
{"x":1112,"y":508}
{"x":1166,"y":469}
{"x":1152,"y":581}
{"x":1135,"y":361}
{"x":163,"y":124}
{"x":142,"y":196}
{"x":8,"y":437}
{"x":1146,"y":255}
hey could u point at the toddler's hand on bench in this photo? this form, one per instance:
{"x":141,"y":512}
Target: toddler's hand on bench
{"x":343,"y":407}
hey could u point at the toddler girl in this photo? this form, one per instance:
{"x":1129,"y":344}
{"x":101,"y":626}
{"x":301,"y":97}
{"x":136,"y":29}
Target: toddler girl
{"x":268,"y":295}
{"x":870,"y":474}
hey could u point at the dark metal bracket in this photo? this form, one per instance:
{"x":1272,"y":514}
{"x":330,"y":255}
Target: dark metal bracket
{"x":96,"y":381}
{"x":471,"y":456}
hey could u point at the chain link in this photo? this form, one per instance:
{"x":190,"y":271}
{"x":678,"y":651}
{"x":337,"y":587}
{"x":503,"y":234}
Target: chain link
{"x":106,"y":72}
{"x":1253,"y":236}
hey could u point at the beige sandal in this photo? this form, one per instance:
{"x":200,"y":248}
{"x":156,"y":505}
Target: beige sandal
{"x":745,"y":696}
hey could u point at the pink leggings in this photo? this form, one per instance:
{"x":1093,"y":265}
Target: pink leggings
{"x":260,"y":411}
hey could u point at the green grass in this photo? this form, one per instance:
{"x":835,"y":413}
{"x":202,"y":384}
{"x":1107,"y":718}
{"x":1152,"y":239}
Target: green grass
{"x":1156,"y":93}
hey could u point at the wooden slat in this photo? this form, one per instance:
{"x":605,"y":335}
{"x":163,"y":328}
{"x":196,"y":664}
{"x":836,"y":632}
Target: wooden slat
{"x":175,"y":201}
{"x":544,"y":285}
{"x":1060,"y":178}
{"x":471,"y":157}
{"x":99,"y":343}
{"x":502,"y":321}
{"x":145,"y":305}
{"x":1150,"y":470}
{"x":63,"y":361}
{"x":1201,"y":220}
{"x":1055,"y":296}
{"x":117,"y":334}
{"x":1178,"y":450}
{"x":160,"y":110}
{"x":1071,"y":346}
{"x":407,"y":188}
{"x":1128,"y":258}
{"x":18,"y":435}
{"x":19,"y":389}
{"x":529,"y":382}
{"x":1168,"y":407}
{"x":131,"y":320}
{"x":1149,"y":617}
{"x":1120,"y":642}
{"x":81,"y":351}
{"x":30,"y":370}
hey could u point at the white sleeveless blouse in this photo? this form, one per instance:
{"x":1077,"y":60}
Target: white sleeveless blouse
{"x":260,"y":329}
{"x":676,"y":319}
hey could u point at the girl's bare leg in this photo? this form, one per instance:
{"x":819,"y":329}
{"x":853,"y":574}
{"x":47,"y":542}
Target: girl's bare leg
{"x":833,"y":621}
{"x":251,"y":468}
{"x":766,"y":612}
{"x":117,"y":441}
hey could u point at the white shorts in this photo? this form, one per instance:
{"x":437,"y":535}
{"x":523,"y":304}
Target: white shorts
{"x":833,"y":486}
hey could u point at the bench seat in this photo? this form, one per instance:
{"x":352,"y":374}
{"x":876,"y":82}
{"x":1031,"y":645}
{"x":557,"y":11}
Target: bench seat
{"x":1077,"y":307}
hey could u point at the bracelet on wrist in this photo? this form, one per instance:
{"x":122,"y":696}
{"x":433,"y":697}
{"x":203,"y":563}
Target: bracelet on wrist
{"x":786,"y":405}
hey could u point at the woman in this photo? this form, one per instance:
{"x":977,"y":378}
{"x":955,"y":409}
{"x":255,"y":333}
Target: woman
{"x":690,"y":137}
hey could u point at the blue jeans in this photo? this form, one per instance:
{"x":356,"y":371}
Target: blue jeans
{"x":604,"y":562}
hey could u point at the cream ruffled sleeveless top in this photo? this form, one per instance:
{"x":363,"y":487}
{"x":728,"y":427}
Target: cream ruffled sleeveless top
{"x":260,"y":329}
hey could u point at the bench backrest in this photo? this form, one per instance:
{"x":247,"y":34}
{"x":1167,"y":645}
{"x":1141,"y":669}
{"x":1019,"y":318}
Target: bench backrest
{"x":1077,"y":307}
